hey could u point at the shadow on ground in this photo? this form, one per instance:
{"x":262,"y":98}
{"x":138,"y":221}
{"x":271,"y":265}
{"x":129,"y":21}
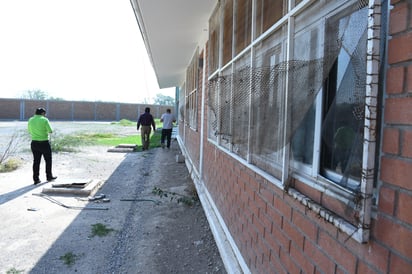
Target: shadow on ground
{"x":147,"y":233}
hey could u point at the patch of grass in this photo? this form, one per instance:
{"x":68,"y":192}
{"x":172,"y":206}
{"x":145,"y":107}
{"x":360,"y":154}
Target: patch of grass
{"x":158,"y":123}
{"x":132,"y":139}
{"x":126,"y":123}
{"x":155,"y":139}
{"x":117,"y":140}
{"x":69,"y":258}
{"x":71,"y":142}
{"x":14,"y":271}
{"x":100,"y":230}
{"x":10,"y":165}
{"x":66,"y":143}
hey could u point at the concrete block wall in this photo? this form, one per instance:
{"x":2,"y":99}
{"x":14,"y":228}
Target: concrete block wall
{"x":22,"y":109}
{"x":10,"y":109}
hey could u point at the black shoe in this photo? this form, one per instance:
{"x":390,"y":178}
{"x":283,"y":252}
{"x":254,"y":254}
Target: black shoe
{"x":51,"y":178}
{"x":36,"y":182}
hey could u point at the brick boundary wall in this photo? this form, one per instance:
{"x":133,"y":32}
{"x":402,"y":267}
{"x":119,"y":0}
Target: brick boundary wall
{"x":23,"y":109}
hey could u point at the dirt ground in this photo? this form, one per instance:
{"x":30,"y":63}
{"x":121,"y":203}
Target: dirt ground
{"x":146,"y":233}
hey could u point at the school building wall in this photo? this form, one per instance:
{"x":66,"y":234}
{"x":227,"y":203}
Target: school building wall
{"x":23,"y":109}
{"x":270,"y":231}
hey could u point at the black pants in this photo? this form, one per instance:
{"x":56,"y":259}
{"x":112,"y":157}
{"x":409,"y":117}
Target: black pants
{"x":41,"y":148}
{"x":166,"y":134}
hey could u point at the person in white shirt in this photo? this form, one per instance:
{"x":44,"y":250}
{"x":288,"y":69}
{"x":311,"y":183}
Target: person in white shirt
{"x":168,"y":119}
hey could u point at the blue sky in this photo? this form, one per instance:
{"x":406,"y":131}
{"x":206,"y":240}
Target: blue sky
{"x":76,"y":50}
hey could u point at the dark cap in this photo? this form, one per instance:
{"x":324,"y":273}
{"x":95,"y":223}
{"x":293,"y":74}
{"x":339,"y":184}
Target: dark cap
{"x":40,"y":111}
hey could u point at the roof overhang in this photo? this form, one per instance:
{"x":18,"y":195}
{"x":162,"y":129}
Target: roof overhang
{"x":172,"y":30}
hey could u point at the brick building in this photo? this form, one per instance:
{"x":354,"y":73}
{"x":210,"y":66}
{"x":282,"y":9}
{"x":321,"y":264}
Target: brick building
{"x":296,"y":123}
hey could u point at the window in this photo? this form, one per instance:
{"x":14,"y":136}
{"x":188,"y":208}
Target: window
{"x":296,"y":102}
{"x":192,"y":75}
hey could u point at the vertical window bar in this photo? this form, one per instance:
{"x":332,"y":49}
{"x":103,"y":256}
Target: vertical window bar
{"x":369,"y":145}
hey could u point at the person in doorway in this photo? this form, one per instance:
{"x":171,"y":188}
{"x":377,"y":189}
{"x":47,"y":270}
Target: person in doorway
{"x":39,"y":128}
{"x":146,"y":121}
{"x":168,"y":119}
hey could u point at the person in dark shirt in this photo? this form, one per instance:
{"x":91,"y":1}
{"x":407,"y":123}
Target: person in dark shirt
{"x":146,"y":121}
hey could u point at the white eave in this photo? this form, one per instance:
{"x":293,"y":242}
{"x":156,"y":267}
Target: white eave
{"x":172,"y":30}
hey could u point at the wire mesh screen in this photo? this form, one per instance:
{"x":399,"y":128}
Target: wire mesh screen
{"x":241,"y":95}
{"x":259,"y":109}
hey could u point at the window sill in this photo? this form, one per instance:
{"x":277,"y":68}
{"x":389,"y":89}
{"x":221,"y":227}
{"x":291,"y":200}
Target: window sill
{"x":358,"y":234}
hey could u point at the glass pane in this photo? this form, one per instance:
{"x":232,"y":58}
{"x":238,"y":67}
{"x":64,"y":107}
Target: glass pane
{"x":214,"y":33}
{"x":268,"y":92}
{"x":212,"y":107}
{"x":342,"y":128}
{"x":227,"y":30}
{"x":268,"y":12}
{"x":241,"y":97}
{"x":225,"y":108}
{"x":303,"y":139}
{"x":305,"y":81}
{"x":243,"y":24}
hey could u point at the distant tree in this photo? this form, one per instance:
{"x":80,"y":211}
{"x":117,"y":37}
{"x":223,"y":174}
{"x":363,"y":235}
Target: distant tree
{"x":55,"y":98}
{"x":35,"y":94}
{"x":161,"y":99}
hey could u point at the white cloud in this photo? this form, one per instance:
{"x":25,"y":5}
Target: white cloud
{"x":76,"y":50}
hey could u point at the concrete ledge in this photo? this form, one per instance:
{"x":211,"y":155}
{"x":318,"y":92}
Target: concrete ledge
{"x":125,"y":148}
{"x":89,"y":189}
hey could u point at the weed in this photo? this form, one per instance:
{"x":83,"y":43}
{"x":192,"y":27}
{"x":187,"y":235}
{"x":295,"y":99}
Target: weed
{"x":67,"y":143}
{"x":10,"y":148}
{"x":14,"y":271}
{"x":69,"y":258}
{"x":10,"y":165}
{"x":100,"y":230}
{"x":179,"y":198}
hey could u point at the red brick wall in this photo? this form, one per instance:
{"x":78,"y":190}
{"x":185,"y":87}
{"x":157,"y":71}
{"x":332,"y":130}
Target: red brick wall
{"x":393,"y":227}
{"x":277,"y":234}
